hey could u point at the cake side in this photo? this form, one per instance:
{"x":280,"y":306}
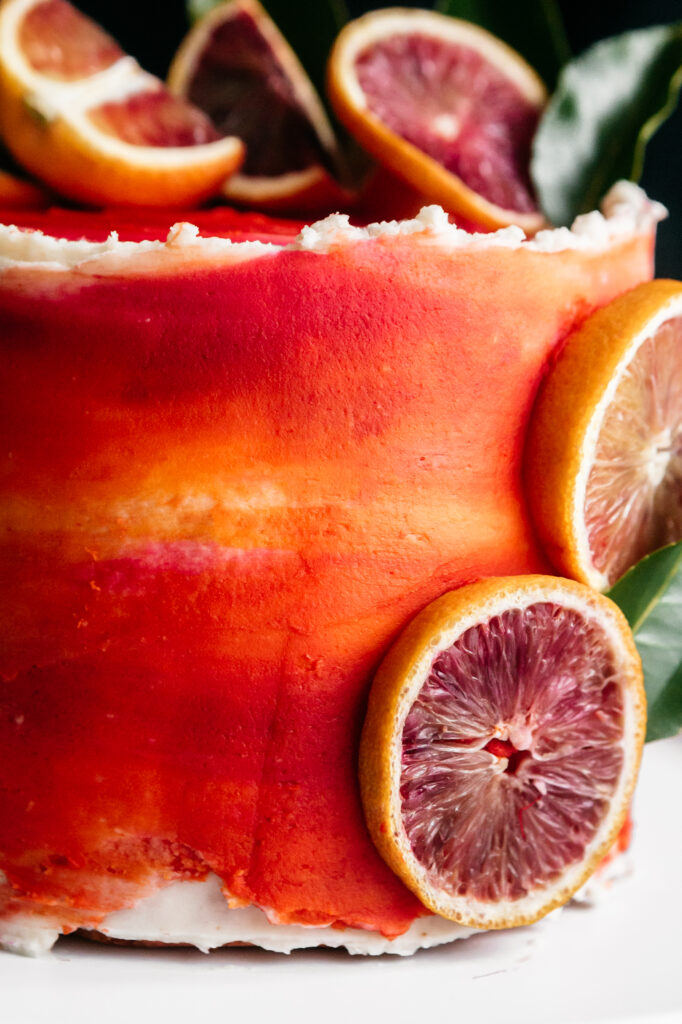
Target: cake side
{"x":228,"y":485}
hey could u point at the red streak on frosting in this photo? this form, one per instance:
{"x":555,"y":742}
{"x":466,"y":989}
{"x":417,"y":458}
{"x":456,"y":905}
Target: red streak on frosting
{"x":226,"y":488}
{"x":135,"y":225}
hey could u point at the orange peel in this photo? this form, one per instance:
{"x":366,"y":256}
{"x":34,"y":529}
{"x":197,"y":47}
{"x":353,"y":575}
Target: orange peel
{"x":604,"y":457}
{"x":501,"y":747}
{"x":85,"y":118}
{"x":449,"y":107}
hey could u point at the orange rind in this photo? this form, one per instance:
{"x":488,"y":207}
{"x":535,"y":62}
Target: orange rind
{"x":237,"y":66}
{"x":501,"y":747}
{"x":421,"y":91}
{"x":604,"y":456}
{"x":85,"y":118}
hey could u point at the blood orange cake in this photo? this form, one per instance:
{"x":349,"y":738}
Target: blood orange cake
{"x":232,"y":472}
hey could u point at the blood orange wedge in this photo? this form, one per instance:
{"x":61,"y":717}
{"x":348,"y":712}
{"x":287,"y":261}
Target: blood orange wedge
{"x":237,"y":67}
{"x":446,"y":106}
{"x":85,"y":118}
{"x":501,"y":747}
{"x":604,"y":459}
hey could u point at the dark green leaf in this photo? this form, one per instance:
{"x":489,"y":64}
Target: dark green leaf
{"x":608,"y":103}
{"x":650,"y":596}
{"x":532,"y":27}
{"x":309,"y":26}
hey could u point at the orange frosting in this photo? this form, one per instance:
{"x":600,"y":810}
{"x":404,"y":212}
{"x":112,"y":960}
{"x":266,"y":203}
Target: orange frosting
{"x":226,"y":486}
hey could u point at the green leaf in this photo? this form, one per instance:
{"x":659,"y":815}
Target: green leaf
{"x":608,"y":103}
{"x":309,"y":26}
{"x":532,"y":27}
{"x":196,"y":9}
{"x":650,"y":596}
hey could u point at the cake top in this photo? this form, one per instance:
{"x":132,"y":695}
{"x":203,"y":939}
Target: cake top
{"x":625,"y":211}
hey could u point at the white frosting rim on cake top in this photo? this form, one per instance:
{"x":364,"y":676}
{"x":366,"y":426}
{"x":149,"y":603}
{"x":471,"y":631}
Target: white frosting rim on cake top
{"x":625,"y":212}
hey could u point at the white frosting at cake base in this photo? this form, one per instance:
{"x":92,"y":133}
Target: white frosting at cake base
{"x":24,"y":934}
{"x":196,"y":914}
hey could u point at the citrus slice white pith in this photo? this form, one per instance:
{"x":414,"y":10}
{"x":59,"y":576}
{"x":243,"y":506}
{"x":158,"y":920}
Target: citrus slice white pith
{"x":501,"y":747}
{"x":84,"y":117}
{"x":444,"y":104}
{"x":604,"y":460}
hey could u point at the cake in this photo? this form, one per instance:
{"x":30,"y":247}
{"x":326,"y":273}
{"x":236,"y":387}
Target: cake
{"x":232,"y":472}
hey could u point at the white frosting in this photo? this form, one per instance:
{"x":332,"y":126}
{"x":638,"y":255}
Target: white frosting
{"x":24,"y":934}
{"x":197,"y":914}
{"x":626,"y":212}
{"x":19,"y":246}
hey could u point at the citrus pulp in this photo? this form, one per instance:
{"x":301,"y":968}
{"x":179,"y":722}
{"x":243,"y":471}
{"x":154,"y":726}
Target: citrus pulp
{"x":604,"y":460}
{"x":85,"y":118}
{"x":446,"y":106}
{"x":501,"y":747}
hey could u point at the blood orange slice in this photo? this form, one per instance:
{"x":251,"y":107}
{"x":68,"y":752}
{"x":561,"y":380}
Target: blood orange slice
{"x":501,"y":747}
{"x":604,"y":459}
{"x":85,"y":118}
{"x":446,"y":106}
{"x":237,"y":67}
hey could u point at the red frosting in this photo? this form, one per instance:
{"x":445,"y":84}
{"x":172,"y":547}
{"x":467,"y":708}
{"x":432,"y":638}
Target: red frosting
{"x":226,"y":486}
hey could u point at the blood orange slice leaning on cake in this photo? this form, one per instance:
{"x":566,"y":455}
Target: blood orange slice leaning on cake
{"x":446,"y":106}
{"x":85,"y":118}
{"x":604,"y":463}
{"x":501,"y":747}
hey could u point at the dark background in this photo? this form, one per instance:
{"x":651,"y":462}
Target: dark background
{"x":151,"y":31}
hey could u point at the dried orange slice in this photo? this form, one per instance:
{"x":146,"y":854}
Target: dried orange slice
{"x":501,"y":747}
{"x":604,"y":458}
{"x":82,"y":116}
{"x":446,"y":106}
{"x":237,"y":67}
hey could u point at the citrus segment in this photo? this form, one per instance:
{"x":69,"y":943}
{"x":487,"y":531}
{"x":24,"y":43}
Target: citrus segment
{"x":447,"y":106}
{"x":154,"y":119}
{"x":237,"y":67}
{"x":604,"y":462}
{"x":90,"y":122}
{"x":501,"y":747}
